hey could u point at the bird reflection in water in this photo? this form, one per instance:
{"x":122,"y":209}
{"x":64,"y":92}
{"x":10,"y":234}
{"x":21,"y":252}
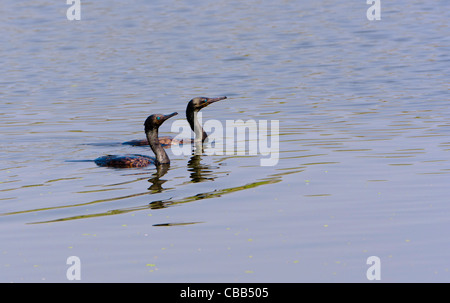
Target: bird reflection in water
{"x":156,"y":186}
{"x":200,"y":172}
{"x":156,"y":180}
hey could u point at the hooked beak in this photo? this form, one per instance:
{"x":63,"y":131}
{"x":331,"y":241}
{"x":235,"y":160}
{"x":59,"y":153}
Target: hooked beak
{"x":169,"y":116}
{"x":212,"y":100}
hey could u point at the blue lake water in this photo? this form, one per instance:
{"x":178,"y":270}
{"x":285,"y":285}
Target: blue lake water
{"x":364,"y":163}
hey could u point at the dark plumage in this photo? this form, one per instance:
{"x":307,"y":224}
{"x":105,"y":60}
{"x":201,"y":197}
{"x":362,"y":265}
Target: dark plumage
{"x":192,"y":109}
{"x":126,"y":161}
{"x":152,"y":123}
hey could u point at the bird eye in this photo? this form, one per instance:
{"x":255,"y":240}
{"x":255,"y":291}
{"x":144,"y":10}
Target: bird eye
{"x":158,"y":118}
{"x":204,"y":100}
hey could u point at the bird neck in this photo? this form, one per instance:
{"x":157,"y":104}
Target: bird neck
{"x":196,"y":126}
{"x":158,"y":150}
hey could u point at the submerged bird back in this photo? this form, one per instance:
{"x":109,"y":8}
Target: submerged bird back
{"x":126,"y":161}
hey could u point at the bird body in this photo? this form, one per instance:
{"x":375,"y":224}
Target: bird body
{"x":152,"y":124}
{"x":125,"y":161}
{"x":192,"y":109}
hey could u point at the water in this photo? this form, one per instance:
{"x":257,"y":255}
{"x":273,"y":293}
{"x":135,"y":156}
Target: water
{"x":363,"y":108}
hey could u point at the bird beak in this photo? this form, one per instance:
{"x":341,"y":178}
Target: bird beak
{"x":169,"y":116}
{"x":212,"y":100}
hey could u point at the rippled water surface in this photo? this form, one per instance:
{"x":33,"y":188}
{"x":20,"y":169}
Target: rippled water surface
{"x":364,"y":139}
